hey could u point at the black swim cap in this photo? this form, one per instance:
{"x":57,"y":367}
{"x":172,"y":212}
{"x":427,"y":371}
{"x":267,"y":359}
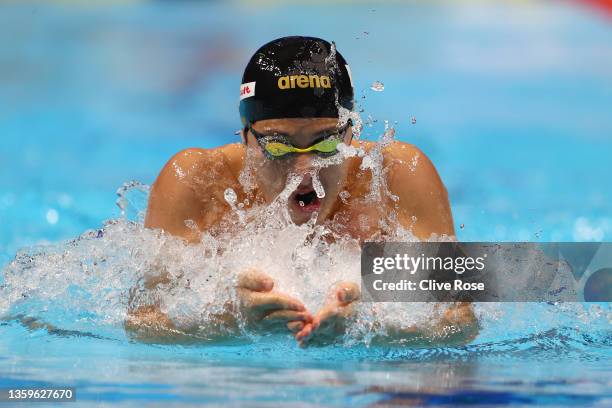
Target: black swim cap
{"x":295,"y":77}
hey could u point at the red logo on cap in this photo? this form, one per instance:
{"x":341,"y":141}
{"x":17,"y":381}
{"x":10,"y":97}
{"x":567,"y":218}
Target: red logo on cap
{"x":247,"y":90}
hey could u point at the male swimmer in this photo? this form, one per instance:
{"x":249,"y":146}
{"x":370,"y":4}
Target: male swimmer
{"x":293,"y":93}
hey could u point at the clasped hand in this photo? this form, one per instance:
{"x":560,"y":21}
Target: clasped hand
{"x":264,"y":308}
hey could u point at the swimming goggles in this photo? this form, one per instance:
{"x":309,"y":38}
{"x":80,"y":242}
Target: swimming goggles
{"x":276,"y":146}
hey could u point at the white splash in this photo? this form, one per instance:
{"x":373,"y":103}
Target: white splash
{"x":317,"y":185}
{"x":87,"y":283}
{"x":377,"y":86}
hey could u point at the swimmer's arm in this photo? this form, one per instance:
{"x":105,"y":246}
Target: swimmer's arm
{"x":174,"y":199}
{"x":456,"y":326}
{"x":148,"y":324}
{"x":423,"y":204}
{"x":257,"y":306}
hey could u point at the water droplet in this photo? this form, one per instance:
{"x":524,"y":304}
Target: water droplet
{"x":52,"y":216}
{"x":344,"y":195}
{"x":191,"y":224}
{"x":413,"y":120}
{"x":377,"y":86}
{"x":316,"y":184}
{"x":230,"y":196}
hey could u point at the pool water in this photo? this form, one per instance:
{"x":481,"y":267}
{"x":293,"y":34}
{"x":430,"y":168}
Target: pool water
{"x":511,"y":101}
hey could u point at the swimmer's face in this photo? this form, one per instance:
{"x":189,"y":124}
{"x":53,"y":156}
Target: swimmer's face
{"x":271,"y":173}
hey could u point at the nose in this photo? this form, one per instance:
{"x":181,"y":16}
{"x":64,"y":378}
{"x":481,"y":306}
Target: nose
{"x":302,"y":163}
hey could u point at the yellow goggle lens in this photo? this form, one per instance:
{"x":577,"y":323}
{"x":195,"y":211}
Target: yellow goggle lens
{"x":278,"y":149}
{"x":327,"y":145}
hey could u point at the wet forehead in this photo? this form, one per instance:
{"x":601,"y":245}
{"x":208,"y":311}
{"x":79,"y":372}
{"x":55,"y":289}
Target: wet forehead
{"x":297,"y":126}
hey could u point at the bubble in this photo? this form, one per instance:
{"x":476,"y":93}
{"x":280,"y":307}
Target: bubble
{"x":377,"y":86}
{"x":413,"y":120}
{"x":462,"y":226}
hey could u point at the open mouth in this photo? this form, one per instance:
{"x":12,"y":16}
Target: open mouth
{"x":306,"y":200}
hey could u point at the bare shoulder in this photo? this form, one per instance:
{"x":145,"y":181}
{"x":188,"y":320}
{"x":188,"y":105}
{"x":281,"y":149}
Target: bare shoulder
{"x":186,"y":161}
{"x":404,"y":162}
{"x":413,"y":179}
{"x":189,"y":188}
{"x":408,"y":167}
{"x":194,"y":167}
{"x":405,"y":156}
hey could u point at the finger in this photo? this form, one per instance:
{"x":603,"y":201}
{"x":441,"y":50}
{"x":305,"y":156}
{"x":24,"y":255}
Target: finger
{"x":285,"y":316}
{"x":295,"y":326}
{"x":255,"y":280}
{"x":305,"y":333}
{"x":347,"y":292}
{"x":316,"y":323}
{"x":275,"y":301}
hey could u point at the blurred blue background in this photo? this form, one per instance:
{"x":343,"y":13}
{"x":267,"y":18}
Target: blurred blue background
{"x":512,"y":101}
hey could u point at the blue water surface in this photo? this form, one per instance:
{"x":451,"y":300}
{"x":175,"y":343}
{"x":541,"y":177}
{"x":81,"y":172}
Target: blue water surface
{"x":511,"y":101}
